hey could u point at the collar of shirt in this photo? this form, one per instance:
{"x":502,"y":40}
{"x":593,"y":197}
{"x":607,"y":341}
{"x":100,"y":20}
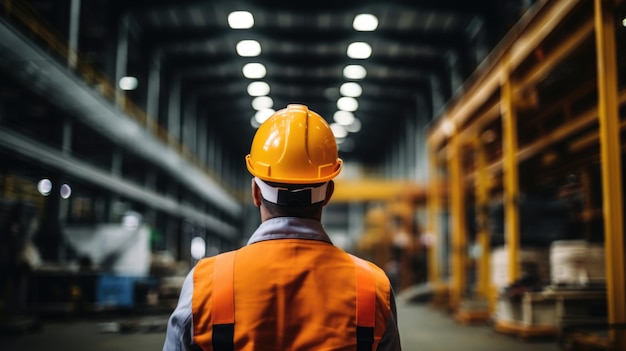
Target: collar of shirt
{"x":289,"y":228}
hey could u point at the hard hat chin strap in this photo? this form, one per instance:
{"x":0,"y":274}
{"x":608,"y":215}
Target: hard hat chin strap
{"x":295,"y":196}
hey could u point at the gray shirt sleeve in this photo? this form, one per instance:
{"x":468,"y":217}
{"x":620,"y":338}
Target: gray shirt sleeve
{"x":179,"y":335}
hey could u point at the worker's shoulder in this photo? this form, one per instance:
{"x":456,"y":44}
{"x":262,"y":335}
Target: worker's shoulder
{"x":379,"y":273}
{"x":209,"y":261}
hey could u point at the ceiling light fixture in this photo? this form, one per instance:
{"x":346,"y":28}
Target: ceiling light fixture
{"x":365,"y":22}
{"x":254,"y":70}
{"x":262,"y":103}
{"x":354,"y":127}
{"x":347,"y":104}
{"x":240,"y":20}
{"x":254,"y":123}
{"x":359,"y":50}
{"x":262,"y":115}
{"x":351,"y":89}
{"x":346,"y":146}
{"x":248,"y":48}
{"x":44,"y":186}
{"x":338,"y":130}
{"x":258,"y":89}
{"x":66,"y":191}
{"x":354,"y":72}
{"x":344,"y":117}
{"x":128,"y":83}
{"x":448,"y":128}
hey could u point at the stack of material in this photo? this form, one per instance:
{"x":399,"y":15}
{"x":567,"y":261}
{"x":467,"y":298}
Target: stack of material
{"x":538,"y":257}
{"x":577,"y":263}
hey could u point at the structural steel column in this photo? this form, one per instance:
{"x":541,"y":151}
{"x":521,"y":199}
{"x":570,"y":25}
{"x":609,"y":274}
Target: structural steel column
{"x":190,"y":123}
{"x":174,"y":111}
{"x":201,"y":136}
{"x":154,"y":86}
{"x":437,"y":98}
{"x":511,"y":185}
{"x":608,"y":107}
{"x":482,"y":197}
{"x":434,"y":204}
{"x":68,"y":128}
{"x":121,"y":61}
{"x":456,"y":81}
{"x":457,"y":216}
{"x":74,"y":30}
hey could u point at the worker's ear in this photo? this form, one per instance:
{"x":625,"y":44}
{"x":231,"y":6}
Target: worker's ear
{"x":330,"y":189}
{"x":256,"y":193}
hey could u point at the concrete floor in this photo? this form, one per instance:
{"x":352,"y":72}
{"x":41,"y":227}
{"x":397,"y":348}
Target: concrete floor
{"x":422,"y":328}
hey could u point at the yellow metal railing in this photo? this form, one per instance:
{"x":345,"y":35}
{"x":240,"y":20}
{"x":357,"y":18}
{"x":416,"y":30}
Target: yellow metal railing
{"x":36,"y":25}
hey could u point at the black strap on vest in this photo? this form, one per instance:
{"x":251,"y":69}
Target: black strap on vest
{"x":223,"y":307}
{"x":223,"y":336}
{"x":364,"y":338}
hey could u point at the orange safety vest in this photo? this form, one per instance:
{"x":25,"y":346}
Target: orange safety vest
{"x":289,"y":294}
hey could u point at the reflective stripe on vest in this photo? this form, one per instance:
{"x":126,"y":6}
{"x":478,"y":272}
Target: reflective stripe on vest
{"x":223,"y":306}
{"x":365,"y":305}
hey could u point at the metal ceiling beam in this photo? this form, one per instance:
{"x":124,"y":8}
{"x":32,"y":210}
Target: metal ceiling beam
{"x":37,"y":70}
{"x":42,"y":154}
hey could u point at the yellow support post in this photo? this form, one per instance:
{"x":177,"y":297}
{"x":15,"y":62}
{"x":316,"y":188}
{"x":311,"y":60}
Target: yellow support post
{"x":482,"y":197}
{"x":458,"y":225}
{"x":511,"y":186}
{"x":434,"y":271}
{"x":611,"y":167}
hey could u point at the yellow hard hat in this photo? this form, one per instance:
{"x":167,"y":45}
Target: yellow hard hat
{"x":294,"y":146}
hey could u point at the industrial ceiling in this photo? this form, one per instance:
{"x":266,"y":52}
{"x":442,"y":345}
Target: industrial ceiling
{"x":185,"y":53}
{"x":421,"y":51}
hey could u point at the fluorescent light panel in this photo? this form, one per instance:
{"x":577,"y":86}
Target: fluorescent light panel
{"x":350,"y":89}
{"x":128,"y":83}
{"x":258,"y":89}
{"x":262,"y":115}
{"x":365,"y":22}
{"x":240,"y":20}
{"x":354,"y":127}
{"x":344,"y":117}
{"x":262,"y":103}
{"x":354,"y":72}
{"x":254,"y":70}
{"x":338,"y":130}
{"x":248,"y":48}
{"x":359,"y":50}
{"x":347,"y":104}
